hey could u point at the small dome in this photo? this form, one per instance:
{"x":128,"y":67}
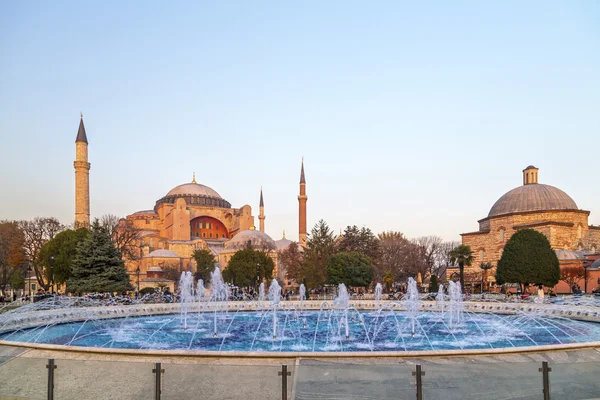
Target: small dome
{"x":595,"y":264}
{"x":567,"y":255}
{"x":156,"y":268}
{"x":283,"y":244}
{"x":162,"y":253}
{"x":194,"y":189}
{"x":257,"y":239}
{"x":534,"y":197}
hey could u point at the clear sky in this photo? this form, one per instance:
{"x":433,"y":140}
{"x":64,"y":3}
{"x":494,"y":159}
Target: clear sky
{"x":412,"y":116}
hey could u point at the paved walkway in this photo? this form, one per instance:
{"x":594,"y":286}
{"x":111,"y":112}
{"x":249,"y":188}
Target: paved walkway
{"x":575,"y":375}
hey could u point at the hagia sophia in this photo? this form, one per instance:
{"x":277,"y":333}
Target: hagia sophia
{"x":193,"y":216}
{"x":190,"y":217}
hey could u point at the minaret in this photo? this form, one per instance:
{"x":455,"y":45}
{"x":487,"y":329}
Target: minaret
{"x":261,"y":215}
{"x":302,"y":210}
{"x":82,"y":178}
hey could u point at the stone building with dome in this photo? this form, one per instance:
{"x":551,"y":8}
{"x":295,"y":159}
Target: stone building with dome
{"x":544,"y":208}
{"x":189,"y":217}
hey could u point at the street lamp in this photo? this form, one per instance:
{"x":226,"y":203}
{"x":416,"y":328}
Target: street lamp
{"x":137,"y":272}
{"x":257,"y":276}
{"x":51,"y":262}
{"x":29,"y":279}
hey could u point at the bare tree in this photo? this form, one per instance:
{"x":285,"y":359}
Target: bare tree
{"x":443,"y":259}
{"x":395,"y":255}
{"x":125,"y":236}
{"x":427,"y":249}
{"x":36,"y":233}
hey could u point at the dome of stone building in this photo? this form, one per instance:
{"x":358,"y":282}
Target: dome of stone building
{"x":532,"y":197}
{"x":283,"y":244}
{"x":194,"y":189}
{"x":564,"y":255}
{"x":595,"y":265}
{"x":258,"y":240}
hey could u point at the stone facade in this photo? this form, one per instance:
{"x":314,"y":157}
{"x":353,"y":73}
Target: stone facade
{"x":565,"y":228}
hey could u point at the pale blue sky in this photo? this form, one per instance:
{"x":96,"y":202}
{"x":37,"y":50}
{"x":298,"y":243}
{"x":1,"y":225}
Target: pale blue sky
{"x":411,"y":116}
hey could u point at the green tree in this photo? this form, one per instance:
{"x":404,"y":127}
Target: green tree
{"x":352,"y":268}
{"x":97,"y":265}
{"x":12,"y":254}
{"x":360,"y":240}
{"x":57,"y":254}
{"x":462,"y":255}
{"x":205,"y":264}
{"x":433,"y":284}
{"x":248,"y":267}
{"x":528,"y":257}
{"x":320,"y":246}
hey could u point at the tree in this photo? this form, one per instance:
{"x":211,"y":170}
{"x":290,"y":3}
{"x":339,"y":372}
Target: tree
{"x":433,"y":284}
{"x":443,"y":259}
{"x":320,"y":246}
{"x":485,"y":267}
{"x":388,"y":280}
{"x":528,"y":257}
{"x":247,"y":267}
{"x":12,"y":254}
{"x":428,"y":248}
{"x":36,"y":233}
{"x":352,"y":268}
{"x":461,"y":255}
{"x":124,"y":235}
{"x":56,"y":255}
{"x":205,"y":264}
{"x":359,"y":240}
{"x":291,"y":260}
{"x":394,"y":252}
{"x":97,"y":265}
{"x":572,"y":275}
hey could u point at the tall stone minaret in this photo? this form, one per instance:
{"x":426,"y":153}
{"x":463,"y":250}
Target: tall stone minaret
{"x":261,"y":215}
{"x":82,"y":178}
{"x":302,"y":210}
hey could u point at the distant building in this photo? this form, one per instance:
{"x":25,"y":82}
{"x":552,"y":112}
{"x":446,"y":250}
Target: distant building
{"x":544,"y":208}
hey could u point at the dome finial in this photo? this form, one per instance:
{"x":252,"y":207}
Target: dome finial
{"x":283,"y":235}
{"x":80,"y":114}
{"x":193,"y":177}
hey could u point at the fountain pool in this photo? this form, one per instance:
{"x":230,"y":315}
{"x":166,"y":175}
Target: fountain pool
{"x":330,"y":328}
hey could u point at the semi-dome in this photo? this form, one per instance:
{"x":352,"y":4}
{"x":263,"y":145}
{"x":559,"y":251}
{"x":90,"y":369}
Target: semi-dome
{"x":563,"y":254}
{"x":257,"y":239}
{"x":194,"y":189}
{"x":162,"y":253}
{"x":532,"y":197}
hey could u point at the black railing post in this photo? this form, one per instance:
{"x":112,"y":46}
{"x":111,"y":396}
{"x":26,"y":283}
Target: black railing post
{"x":418,"y":374}
{"x":51,"y":367}
{"x":284,"y":374}
{"x":545,"y":370}
{"x":158,"y":371}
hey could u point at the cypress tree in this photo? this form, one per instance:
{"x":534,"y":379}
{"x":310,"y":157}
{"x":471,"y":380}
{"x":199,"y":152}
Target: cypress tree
{"x":97,"y":265}
{"x":528,"y":258}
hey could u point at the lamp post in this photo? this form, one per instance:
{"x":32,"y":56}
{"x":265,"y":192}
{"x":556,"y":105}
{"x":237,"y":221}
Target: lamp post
{"x":51,"y":264}
{"x":29,"y":279}
{"x":257,"y":276}
{"x":137,"y":272}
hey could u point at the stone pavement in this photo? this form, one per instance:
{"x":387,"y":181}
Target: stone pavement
{"x":575,"y":375}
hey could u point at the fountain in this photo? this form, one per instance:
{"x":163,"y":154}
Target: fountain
{"x":412,"y":302}
{"x":378,"y":293}
{"x":186,"y":288}
{"x":106,"y":322}
{"x":274,"y":298}
{"x":261,"y":295}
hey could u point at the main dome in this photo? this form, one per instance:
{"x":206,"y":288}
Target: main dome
{"x":194,"y":189}
{"x":532,"y":197}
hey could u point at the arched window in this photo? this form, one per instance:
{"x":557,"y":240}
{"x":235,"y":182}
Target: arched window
{"x":203,"y":234}
{"x":501,"y":234}
{"x":210,"y":235}
{"x":579,"y":232}
{"x":481,"y":255}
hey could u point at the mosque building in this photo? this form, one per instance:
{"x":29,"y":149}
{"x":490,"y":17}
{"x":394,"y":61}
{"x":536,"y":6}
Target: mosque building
{"x":533,"y":205}
{"x":189,"y":217}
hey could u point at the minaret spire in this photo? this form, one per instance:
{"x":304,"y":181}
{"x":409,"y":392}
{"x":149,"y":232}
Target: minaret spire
{"x":302,"y":198}
{"x":82,"y":177}
{"x":193,"y":177}
{"x":261,"y":216}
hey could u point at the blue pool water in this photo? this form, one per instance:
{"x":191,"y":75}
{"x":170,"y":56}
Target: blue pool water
{"x":253,"y":331}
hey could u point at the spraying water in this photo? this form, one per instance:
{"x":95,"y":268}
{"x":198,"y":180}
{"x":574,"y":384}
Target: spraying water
{"x":456,"y":303}
{"x":439,"y":300}
{"x":274,"y":297}
{"x":217,"y":293}
{"x":341,"y":303}
{"x":186,"y":287}
{"x":378,"y":293}
{"x":412,"y":302}
{"x":261,"y":295}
